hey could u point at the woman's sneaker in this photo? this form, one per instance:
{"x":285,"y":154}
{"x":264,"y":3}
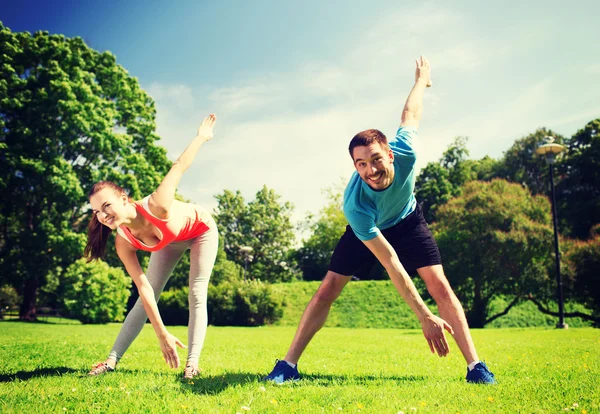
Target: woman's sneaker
{"x":100,"y":368}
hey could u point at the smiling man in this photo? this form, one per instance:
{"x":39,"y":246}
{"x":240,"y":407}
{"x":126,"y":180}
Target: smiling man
{"x":386,"y":224}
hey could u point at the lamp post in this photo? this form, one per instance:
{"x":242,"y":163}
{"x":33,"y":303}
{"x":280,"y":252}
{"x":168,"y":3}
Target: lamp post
{"x":246,"y":250}
{"x":549,"y":149}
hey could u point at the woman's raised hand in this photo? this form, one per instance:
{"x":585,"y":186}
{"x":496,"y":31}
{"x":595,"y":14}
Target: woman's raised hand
{"x":205,"y":131}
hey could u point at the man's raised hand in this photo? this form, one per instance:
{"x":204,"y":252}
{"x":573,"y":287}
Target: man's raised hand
{"x":423,"y":71}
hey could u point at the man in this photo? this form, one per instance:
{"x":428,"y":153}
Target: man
{"x":386,"y":223}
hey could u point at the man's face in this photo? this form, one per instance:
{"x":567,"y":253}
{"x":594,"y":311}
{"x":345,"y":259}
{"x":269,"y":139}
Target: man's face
{"x":374,"y":164}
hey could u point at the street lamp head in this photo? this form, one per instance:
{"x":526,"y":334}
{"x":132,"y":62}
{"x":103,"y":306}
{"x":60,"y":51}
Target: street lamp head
{"x":549,"y":149}
{"x":246,"y":249}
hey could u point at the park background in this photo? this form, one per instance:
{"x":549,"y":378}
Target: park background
{"x":116,"y":91}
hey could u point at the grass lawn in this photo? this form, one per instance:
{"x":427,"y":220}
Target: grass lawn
{"x":350,"y":370}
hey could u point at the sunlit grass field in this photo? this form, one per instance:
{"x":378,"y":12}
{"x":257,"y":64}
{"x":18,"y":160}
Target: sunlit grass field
{"x":44,"y":369}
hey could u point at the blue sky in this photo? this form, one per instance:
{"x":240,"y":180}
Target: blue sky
{"x":291,"y":82}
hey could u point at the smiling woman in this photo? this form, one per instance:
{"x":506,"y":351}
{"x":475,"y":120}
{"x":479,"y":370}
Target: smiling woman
{"x":99,"y":229}
{"x":166,"y":227}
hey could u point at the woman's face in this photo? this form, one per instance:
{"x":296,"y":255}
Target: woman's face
{"x":109,"y":207}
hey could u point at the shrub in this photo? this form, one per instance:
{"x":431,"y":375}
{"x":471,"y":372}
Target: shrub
{"x":583,"y":259}
{"x":225,"y":271}
{"x":9,"y":298}
{"x":173,"y":306}
{"x":230,"y":303}
{"x":95,"y":292}
{"x":255,"y":304}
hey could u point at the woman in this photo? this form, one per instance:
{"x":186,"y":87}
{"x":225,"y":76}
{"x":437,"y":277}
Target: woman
{"x":167,"y":228}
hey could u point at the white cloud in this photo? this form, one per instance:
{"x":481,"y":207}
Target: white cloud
{"x":173,"y":98}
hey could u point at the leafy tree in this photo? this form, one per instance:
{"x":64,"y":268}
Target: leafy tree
{"x":225,"y":270}
{"x":580,"y":274}
{"x":578,"y":191}
{"x":439,"y":181}
{"x":453,"y":161}
{"x":233,"y":223}
{"x":69,"y":116}
{"x":326,"y":229}
{"x":495,"y":239}
{"x":520,"y":164}
{"x":583,"y":259}
{"x":433,"y":189}
{"x":265,"y":226}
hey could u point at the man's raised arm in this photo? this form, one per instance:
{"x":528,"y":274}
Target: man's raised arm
{"x":413,"y":108}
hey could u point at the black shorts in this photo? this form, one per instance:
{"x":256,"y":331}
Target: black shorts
{"x":411,"y":239}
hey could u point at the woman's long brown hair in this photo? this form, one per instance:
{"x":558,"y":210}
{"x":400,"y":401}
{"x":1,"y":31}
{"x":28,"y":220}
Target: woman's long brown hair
{"x":97,"y":232}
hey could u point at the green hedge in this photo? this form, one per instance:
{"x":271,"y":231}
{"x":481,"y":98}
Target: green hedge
{"x":376,"y":304}
{"x":362,"y":304}
{"x":230,"y":303}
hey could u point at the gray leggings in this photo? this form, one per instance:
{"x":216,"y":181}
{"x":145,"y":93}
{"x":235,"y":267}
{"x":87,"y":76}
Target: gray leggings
{"x":203,"y":252}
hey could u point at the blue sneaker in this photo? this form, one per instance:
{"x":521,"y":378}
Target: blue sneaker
{"x":282,"y":373}
{"x":480,"y":374}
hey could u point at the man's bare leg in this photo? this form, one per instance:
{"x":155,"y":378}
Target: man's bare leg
{"x":450,"y":309}
{"x":316,"y":313}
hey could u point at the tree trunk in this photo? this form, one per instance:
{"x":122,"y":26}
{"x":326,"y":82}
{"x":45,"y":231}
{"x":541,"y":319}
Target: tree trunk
{"x":476,"y":315}
{"x":28,"y":307}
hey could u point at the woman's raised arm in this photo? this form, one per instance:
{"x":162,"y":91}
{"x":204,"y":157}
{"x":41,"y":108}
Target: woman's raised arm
{"x":161,"y":200}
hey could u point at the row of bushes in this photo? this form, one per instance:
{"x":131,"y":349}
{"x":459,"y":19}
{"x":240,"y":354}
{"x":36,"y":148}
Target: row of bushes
{"x":238,"y":303}
{"x":91,"y":293}
{"x":97,"y":293}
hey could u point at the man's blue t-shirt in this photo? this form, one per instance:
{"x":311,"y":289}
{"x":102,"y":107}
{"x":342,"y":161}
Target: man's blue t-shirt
{"x":369,"y":211}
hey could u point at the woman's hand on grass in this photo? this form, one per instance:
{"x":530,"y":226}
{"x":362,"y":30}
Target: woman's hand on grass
{"x":168,"y":345}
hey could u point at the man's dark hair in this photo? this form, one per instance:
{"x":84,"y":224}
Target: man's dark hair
{"x":364,"y":138}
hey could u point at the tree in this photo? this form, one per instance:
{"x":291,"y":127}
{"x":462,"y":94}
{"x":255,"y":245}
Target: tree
{"x":265,"y":226}
{"x":225,"y":270}
{"x":69,"y":116}
{"x":326,"y":229}
{"x":579,"y":189}
{"x":439,"y":181}
{"x":433,"y":189}
{"x":520,"y":164}
{"x":495,"y":239}
{"x":583,"y":260}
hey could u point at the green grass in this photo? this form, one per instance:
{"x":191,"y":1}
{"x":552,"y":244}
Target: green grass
{"x":376,"y":304}
{"x":372,"y":370}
